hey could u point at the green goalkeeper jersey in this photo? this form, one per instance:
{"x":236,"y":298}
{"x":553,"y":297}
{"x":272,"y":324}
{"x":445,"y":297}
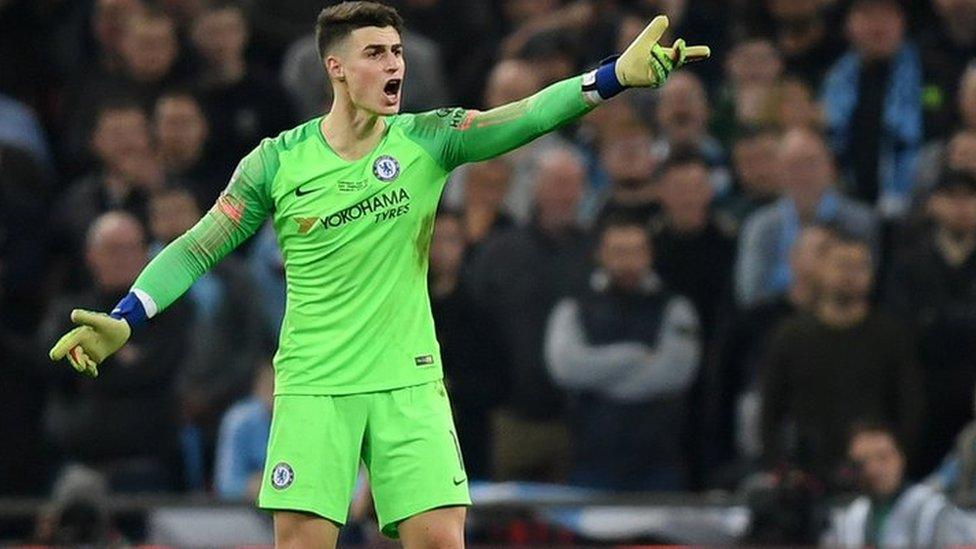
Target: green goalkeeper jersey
{"x":354,"y":236}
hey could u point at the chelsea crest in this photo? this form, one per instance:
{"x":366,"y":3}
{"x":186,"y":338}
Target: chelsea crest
{"x":386,"y":168}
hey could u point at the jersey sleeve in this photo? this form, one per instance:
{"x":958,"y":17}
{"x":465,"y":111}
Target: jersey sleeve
{"x":238,"y":212}
{"x":454,"y":136}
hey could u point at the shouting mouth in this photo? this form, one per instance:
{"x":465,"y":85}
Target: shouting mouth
{"x":392,"y":90}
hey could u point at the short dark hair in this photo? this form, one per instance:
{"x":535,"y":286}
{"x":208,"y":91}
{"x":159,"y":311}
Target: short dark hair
{"x":336,"y":22}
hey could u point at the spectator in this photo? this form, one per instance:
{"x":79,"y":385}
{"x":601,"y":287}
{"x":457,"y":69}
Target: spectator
{"x":946,"y":47}
{"x":794,"y":105}
{"x":890,"y":512}
{"x":873,"y":104}
{"x":753,"y":69}
{"x":225,"y":323}
{"x":182,"y":133}
{"x":516,"y":279}
{"x":243,"y":440}
{"x":935,"y":156}
{"x":732,"y":413}
{"x":933,"y":286}
{"x":627,"y":351}
{"x":149,"y":49}
{"x":486,"y":185}
{"x":694,"y":248}
{"x":123,"y":424}
{"x":957,"y":474}
{"x":757,"y":179}
{"x":308,"y":87}
{"x":762,"y":268}
{"x":682,"y":117}
{"x":469,"y":350}
{"x":843,"y":360}
{"x":804,"y":37}
{"x":242,"y":105}
{"x":629,"y":162}
{"x":127,"y":172}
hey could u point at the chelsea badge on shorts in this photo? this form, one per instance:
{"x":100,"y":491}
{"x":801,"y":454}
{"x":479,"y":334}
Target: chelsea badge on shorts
{"x":282,"y":476}
{"x":386,"y":168}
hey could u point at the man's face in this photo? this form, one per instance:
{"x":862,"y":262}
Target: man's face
{"x":876,"y":29}
{"x":880,"y":465}
{"x":558,"y":189}
{"x":447,"y":245}
{"x":180,"y":127}
{"x":116,"y":255}
{"x":510,"y":81}
{"x":171,"y":214}
{"x":149,"y":48}
{"x":628,"y":159}
{"x":806,"y":165}
{"x":847,"y":272}
{"x":120,"y":135}
{"x":754,"y":160}
{"x":625,"y":254}
{"x":756,"y":62}
{"x":220,"y":35}
{"x":486,"y":183}
{"x":686,"y":194}
{"x":108,"y":22}
{"x":370,"y":62}
{"x":961,"y":152}
{"x":682,"y":110}
{"x":954,"y":210}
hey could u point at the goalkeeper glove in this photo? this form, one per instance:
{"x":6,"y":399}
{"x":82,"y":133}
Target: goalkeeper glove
{"x":97,"y":336}
{"x":645,"y":63}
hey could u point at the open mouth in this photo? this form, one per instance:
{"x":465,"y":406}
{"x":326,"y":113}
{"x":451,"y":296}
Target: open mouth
{"x":392,"y":88}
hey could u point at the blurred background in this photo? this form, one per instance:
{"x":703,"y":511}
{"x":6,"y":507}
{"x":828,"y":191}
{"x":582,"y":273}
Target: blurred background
{"x":740,"y":309}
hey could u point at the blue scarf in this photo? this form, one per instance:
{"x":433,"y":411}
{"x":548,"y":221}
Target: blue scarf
{"x":901,"y":122}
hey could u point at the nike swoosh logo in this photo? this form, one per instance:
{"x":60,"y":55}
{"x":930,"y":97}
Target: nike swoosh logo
{"x":459,"y":482}
{"x":299,"y":192}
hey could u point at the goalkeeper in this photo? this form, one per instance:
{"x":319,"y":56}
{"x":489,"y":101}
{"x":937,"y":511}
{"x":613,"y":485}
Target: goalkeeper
{"x":352,"y":197}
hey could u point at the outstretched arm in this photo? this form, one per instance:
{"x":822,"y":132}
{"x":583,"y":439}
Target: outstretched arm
{"x":238,"y":212}
{"x":457,"y":136}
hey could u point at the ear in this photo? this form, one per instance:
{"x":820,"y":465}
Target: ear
{"x":334,"y":69}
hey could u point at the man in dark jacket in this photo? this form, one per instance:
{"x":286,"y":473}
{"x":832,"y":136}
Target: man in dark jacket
{"x":933,"y":286}
{"x":125,"y":423}
{"x":844,"y":361}
{"x":627,"y":351}
{"x":516,"y":279}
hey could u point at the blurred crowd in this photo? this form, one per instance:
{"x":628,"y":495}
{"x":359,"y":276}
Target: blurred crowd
{"x":736,"y":280}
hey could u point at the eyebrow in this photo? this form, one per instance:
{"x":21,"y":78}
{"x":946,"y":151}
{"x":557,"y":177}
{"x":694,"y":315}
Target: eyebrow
{"x":382,"y":46}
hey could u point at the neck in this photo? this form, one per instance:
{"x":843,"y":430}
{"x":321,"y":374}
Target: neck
{"x":842,"y":313}
{"x":350,"y":131}
{"x":116,"y":186}
{"x":478,"y":220}
{"x":961,"y":30}
{"x":176,"y":162}
{"x":552,"y":227}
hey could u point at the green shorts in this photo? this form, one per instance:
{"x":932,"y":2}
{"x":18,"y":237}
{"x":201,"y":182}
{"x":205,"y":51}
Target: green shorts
{"x":405,"y":437}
